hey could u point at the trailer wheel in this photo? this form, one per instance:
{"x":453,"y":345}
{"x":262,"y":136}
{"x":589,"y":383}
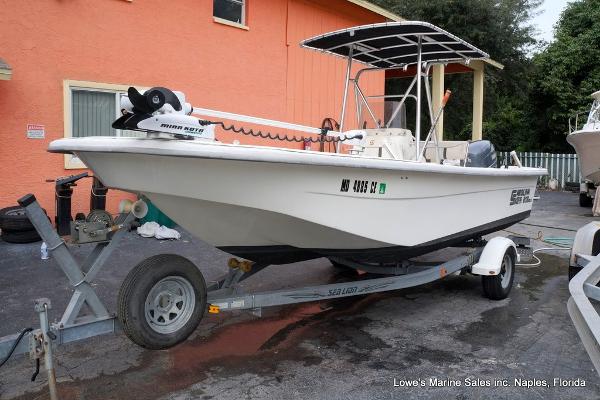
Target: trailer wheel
{"x":162,"y":301}
{"x":343,"y":268}
{"x":339,"y":265}
{"x":497,"y":287}
{"x":15,"y":218}
{"x":585,"y":200}
{"x":573,"y":271}
{"x":20,"y":237}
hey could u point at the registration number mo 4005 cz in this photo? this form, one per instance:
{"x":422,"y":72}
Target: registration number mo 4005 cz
{"x":363,"y":186}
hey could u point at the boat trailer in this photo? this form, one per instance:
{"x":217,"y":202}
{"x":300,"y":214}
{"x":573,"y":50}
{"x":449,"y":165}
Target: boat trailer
{"x":495,"y":260}
{"x":584,"y":278}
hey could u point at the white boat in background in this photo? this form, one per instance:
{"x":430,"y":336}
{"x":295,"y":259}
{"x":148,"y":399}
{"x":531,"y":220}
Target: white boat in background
{"x":393,"y":196}
{"x":586,"y":141}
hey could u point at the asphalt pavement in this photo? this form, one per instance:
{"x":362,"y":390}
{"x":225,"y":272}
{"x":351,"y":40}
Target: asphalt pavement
{"x":440,"y":340}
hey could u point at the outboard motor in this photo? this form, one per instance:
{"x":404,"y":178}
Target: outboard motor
{"x":481,"y":154}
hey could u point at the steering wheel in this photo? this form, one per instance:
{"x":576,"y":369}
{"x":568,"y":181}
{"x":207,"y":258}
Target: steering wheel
{"x":330,"y":124}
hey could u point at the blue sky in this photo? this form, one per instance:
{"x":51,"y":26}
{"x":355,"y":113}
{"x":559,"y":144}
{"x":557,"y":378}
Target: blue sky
{"x":549,"y":13}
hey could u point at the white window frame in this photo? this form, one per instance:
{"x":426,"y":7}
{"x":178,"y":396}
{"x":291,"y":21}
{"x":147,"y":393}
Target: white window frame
{"x":72,"y":162}
{"x":242,"y":24}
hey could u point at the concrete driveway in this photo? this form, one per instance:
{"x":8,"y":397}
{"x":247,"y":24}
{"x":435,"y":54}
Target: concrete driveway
{"x":441,"y":340}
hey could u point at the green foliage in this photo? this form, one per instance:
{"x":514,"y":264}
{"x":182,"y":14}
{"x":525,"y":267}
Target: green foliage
{"x":500,"y":28}
{"x":527,"y":105}
{"x":566,"y":73}
{"x":509,"y":126}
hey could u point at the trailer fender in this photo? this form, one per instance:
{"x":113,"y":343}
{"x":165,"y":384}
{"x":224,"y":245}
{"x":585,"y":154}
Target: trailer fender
{"x":491,"y":257}
{"x":586,"y":242}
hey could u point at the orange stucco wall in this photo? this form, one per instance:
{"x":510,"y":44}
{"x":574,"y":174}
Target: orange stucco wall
{"x":261,"y":71}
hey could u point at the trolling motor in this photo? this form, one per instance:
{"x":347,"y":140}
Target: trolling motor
{"x":160,"y":110}
{"x":163,"y":113}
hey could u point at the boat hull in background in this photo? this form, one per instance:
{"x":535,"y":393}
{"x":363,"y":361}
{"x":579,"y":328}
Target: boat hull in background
{"x":587,"y":146}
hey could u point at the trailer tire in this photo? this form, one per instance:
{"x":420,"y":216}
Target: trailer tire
{"x":572,"y":186}
{"x":162,"y":301}
{"x":14,"y":218}
{"x":339,"y":265}
{"x":585,"y":200}
{"x":573,"y":271}
{"x":20,"y":237}
{"x":497,"y":287}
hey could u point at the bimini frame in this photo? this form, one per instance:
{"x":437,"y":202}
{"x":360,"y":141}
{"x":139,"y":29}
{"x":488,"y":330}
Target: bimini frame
{"x":394,"y":45}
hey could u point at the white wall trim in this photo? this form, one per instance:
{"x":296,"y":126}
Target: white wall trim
{"x":71,"y":162}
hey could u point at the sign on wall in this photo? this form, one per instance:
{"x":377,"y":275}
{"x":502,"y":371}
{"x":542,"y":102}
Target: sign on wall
{"x":35,"y":131}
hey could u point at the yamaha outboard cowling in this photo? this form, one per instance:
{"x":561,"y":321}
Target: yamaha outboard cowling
{"x":481,"y":154}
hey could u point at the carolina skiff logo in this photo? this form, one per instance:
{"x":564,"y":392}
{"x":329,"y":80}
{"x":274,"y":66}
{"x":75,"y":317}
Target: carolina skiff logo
{"x":520,"y":196}
{"x":363,"y":186}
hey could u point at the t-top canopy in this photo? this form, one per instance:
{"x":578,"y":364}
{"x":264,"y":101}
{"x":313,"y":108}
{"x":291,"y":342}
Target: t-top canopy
{"x":394,"y":44}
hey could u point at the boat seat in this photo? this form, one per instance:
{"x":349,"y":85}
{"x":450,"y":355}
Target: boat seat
{"x":391,"y":143}
{"x":452,"y":151}
{"x":430,"y":154}
{"x":456,"y":150}
{"x":399,"y":144}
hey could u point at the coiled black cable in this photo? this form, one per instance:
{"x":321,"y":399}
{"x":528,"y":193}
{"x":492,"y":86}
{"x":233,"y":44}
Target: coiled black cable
{"x":15,"y":344}
{"x":268,"y":135}
{"x":37,"y":370}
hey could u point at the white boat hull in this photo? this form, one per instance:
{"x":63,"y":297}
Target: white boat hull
{"x":273,"y":205}
{"x":587,"y":146}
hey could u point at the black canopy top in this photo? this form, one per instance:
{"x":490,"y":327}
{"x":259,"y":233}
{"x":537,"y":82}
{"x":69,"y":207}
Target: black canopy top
{"x":394,"y":44}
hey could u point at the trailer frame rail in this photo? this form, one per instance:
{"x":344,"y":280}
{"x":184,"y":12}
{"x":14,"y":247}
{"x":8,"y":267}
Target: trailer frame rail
{"x":583,"y":313}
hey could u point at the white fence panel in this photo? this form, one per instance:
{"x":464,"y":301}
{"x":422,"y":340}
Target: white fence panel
{"x":562,"y":167}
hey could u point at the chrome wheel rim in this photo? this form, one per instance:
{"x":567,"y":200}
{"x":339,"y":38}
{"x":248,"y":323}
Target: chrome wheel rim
{"x":17,"y":212}
{"x":170,"y":304}
{"x":506,"y":271}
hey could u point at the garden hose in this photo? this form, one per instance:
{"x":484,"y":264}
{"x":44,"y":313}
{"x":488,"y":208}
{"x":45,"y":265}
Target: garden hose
{"x":15,"y":344}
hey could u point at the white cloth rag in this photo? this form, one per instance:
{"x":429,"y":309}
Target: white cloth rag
{"x":153,"y":229}
{"x":167,"y":233}
{"x":148,"y":229}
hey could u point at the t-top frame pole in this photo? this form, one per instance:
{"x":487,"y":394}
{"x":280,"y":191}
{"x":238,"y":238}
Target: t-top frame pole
{"x":346,"y":84}
{"x":418,"y":117}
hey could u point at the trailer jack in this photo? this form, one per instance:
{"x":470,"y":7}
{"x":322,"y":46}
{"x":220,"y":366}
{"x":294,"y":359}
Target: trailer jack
{"x":74,"y":324}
